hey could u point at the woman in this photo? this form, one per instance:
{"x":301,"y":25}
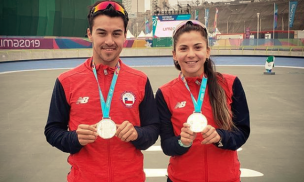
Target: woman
{"x":201,"y":135}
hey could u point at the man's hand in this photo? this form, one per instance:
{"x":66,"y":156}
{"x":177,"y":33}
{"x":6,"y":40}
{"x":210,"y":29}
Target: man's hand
{"x":126,"y":132}
{"x":86,"y":134}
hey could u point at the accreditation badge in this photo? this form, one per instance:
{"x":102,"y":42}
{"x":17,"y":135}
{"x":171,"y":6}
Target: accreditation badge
{"x":197,"y":122}
{"x":106,"y":128}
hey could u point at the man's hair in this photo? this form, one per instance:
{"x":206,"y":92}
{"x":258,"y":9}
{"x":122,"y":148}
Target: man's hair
{"x":111,"y":12}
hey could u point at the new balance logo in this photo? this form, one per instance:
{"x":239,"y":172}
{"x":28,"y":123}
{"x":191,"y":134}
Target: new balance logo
{"x":82,"y":100}
{"x":180,"y":104}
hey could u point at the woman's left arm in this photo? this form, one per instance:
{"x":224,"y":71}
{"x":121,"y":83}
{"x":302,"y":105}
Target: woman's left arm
{"x":232,"y":140}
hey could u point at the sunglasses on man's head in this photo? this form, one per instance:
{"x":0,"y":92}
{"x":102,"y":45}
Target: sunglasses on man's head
{"x":106,"y":5}
{"x":195,"y":22}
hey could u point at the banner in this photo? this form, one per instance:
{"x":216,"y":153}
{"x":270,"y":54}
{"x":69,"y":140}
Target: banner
{"x":196,"y":14}
{"x":164,"y":25}
{"x":147,"y":29}
{"x":292,"y":12}
{"x":43,"y":43}
{"x":275,"y":16}
{"x":26,"y":43}
{"x":206,"y":17}
{"x":154,"y":24}
{"x":215,"y":20}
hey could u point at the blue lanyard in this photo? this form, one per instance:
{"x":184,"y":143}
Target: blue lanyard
{"x":105,"y":106}
{"x":197,"y":104}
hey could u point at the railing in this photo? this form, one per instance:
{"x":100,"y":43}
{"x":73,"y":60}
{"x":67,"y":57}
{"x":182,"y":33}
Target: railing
{"x":259,"y":50}
{"x":141,"y":47}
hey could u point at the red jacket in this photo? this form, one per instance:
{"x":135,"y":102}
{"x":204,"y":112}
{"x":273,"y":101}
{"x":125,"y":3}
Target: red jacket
{"x":199,"y":163}
{"x":76,"y":101}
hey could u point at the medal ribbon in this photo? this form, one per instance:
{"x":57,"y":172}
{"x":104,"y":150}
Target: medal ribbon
{"x":105,"y":106}
{"x":197,"y":104}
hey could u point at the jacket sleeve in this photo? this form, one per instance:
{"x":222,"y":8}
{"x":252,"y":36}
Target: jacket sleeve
{"x":233,"y":140}
{"x":169,"y":142}
{"x":149,"y":130}
{"x":57,"y":123}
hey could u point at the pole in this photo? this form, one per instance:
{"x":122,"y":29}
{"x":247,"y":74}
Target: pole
{"x":273,"y":20}
{"x":260,"y":24}
{"x":282,"y":23}
{"x":244,"y":27}
{"x":227,"y":26}
{"x":258,"y":16}
{"x":288,"y":19}
{"x":137,"y":29}
{"x":206,"y":21}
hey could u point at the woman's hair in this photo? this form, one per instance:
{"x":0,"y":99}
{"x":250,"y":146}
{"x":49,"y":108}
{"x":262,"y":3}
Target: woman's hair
{"x":218,"y":97}
{"x":111,"y":12}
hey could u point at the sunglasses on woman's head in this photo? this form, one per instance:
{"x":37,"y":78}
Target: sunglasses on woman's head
{"x":195,"y":22}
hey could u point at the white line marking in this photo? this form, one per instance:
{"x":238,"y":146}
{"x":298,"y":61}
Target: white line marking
{"x":155,"y":148}
{"x":155,"y":172}
{"x":49,"y":69}
{"x":250,"y":173}
{"x":150,"y":173}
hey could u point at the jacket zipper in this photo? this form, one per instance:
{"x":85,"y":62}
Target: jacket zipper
{"x":206,"y":165}
{"x":109,"y":161}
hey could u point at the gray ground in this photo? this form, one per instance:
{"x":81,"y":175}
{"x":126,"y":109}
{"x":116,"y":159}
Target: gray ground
{"x":275,"y":146}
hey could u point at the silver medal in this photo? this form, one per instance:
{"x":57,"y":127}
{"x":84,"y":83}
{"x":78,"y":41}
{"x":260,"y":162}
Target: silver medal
{"x":106,"y":128}
{"x":197,"y":122}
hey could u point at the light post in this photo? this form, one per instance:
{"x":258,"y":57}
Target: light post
{"x":137,"y":29}
{"x":258,"y":16}
{"x":244,"y":27}
{"x":227,"y":23}
{"x":206,"y":22}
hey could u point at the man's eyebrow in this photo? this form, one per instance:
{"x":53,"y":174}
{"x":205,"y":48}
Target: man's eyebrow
{"x":103,"y":30}
{"x":119,"y":30}
{"x":100,"y":29}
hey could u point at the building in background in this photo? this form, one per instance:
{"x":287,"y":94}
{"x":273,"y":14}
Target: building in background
{"x":159,"y":5}
{"x":134,"y":6}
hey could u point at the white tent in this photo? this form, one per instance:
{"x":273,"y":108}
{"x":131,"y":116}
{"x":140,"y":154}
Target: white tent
{"x":141,"y":35}
{"x":129,"y":35}
{"x":214,"y":33}
{"x":149,"y":34}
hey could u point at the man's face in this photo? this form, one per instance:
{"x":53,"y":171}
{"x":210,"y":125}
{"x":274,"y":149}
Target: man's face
{"x":107,"y":36}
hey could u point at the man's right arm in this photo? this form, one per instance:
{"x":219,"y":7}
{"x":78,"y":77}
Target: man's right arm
{"x":56,"y":129}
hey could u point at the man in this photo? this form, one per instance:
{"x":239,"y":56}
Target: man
{"x":103,"y":112}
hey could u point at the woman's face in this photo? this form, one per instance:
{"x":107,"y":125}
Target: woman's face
{"x":191,"y":52}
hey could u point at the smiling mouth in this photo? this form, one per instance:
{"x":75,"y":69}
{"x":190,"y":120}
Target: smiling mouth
{"x":191,"y":62}
{"x":109,"y":49}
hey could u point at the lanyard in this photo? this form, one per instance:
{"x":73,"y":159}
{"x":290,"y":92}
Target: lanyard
{"x":105,"y":106}
{"x":197,"y":104}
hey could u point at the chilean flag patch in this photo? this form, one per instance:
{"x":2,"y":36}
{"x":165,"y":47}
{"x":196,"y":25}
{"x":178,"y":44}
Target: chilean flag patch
{"x":128,"y":98}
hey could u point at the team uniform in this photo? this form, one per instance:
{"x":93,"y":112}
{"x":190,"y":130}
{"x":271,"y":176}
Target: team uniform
{"x":76,"y":100}
{"x":202,"y":163}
